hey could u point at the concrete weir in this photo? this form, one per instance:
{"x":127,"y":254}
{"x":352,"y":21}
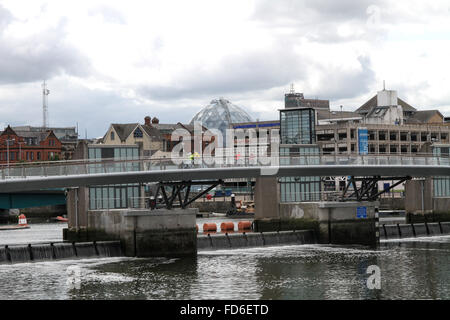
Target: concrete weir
{"x":411,"y":230}
{"x":36,"y":252}
{"x":259,"y":239}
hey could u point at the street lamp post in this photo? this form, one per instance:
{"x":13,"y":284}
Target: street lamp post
{"x":7,"y":151}
{"x":20,"y":149}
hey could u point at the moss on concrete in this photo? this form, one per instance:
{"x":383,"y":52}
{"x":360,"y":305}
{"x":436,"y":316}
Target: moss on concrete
{"x":427,"y":217}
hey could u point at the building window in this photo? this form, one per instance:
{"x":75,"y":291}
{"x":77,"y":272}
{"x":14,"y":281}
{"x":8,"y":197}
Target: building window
{"x":424,"y":137}
{"x":298,"y":189}
{"x":298,"y":126}
{"x":38,"y":155}
{"x":112,"y":135}
{"x":393,"y":136}
{"x":404,"y":136}
{"x":138,"y":133}
{"x":31,"y":155}
{"x":441,"y":187}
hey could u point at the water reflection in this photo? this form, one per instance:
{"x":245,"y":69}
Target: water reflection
{"x":410,"y":269}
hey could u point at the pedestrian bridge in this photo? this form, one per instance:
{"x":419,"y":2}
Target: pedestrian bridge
{"x":66,"y":174}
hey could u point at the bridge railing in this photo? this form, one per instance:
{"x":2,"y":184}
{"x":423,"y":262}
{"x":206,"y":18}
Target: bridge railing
{"x":82,"y":167}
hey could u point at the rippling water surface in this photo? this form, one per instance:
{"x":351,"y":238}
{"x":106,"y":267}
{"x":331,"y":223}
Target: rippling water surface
{"x":410,"y":269}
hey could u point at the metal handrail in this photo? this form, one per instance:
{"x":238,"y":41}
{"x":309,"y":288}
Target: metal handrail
{"x":106,"y":166}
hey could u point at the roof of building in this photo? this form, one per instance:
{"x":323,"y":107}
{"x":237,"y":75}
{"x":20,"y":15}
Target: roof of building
{"x":154,"y":130}
{"x":219,"y":114}
{"x":38,"y":135}
{"x":373,"y":102}
{"x":123,"y":130}
{"x":326,"y":114}
{"x":422,"y":116}
{"x":64,"y":134}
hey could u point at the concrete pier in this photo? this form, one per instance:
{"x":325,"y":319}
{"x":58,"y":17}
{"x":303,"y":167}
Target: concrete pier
{"x":142,"y":232}
{"x":333,"y":222}
{"x":420,"y":204}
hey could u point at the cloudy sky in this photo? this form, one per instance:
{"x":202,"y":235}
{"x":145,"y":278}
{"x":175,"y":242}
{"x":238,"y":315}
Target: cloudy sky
{"x":118,"y":61}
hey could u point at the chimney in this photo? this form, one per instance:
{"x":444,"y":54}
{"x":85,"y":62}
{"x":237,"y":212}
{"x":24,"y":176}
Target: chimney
{"x":147,"y":120}
{"x":155,"y":120}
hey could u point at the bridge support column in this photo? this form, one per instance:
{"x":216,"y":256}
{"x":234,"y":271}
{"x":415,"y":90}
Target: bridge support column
{"x":421,"y":206}
{"x":77,"y":207}
{"x":144,"y":232}
{"x":350,"y":222}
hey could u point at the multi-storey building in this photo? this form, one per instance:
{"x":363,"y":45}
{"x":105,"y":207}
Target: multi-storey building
{"x":28,"y":146}
{"x":68,"y":136}
{"x":393,"y":127}
{"x":152,"y":137}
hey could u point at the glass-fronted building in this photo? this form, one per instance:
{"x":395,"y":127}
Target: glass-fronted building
{"x":298,"y":126}
{"x":113,"y":196}
{"x":298,"y":138}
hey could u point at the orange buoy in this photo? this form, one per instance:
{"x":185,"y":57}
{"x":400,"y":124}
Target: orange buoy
{"x":225,"y":226}
{"x":244,"y":225}
{"x":22,"y":220}
{"x":209,"y":227}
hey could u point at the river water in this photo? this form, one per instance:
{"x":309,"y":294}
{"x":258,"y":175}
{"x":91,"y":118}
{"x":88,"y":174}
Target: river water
{"x":409,"y":269}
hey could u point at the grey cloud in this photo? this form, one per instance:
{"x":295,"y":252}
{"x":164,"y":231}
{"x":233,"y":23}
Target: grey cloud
{"x":235,"y":73}
{"x":41,"y":56}
{"x":5,"y":18}
{"x":342,"y":83}
{"x":93,"y":110}
{"x":318,"y":20}
{"x":308,"y":12}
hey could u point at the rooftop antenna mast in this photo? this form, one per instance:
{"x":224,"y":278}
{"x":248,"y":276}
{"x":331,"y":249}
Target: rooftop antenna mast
{"x":292,"y":88}
{"x":45,"y":93}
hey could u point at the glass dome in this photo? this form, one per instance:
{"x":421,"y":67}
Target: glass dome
{"x":219,"y":114}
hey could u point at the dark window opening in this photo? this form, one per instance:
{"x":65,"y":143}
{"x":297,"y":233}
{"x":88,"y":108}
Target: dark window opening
{"x":404,"y":136}
{"x":393,"y":136}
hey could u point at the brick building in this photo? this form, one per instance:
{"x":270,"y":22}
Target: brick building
{"x":28,"y":146}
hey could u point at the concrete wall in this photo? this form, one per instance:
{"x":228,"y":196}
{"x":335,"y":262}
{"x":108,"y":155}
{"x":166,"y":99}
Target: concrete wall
{"x":142,"y":232}
{"x":392,"y":203}
{"x":337,"y":221}
{"x":434,"y":209}
{"x":211,"y":206}
{"x":267,"y":197}
{"x":413,"y":196}
{"x":78,"y":216}
{"x":77,"y":213}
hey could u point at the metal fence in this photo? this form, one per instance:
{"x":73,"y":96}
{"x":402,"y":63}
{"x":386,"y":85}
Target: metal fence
{"x":86,"y":167}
